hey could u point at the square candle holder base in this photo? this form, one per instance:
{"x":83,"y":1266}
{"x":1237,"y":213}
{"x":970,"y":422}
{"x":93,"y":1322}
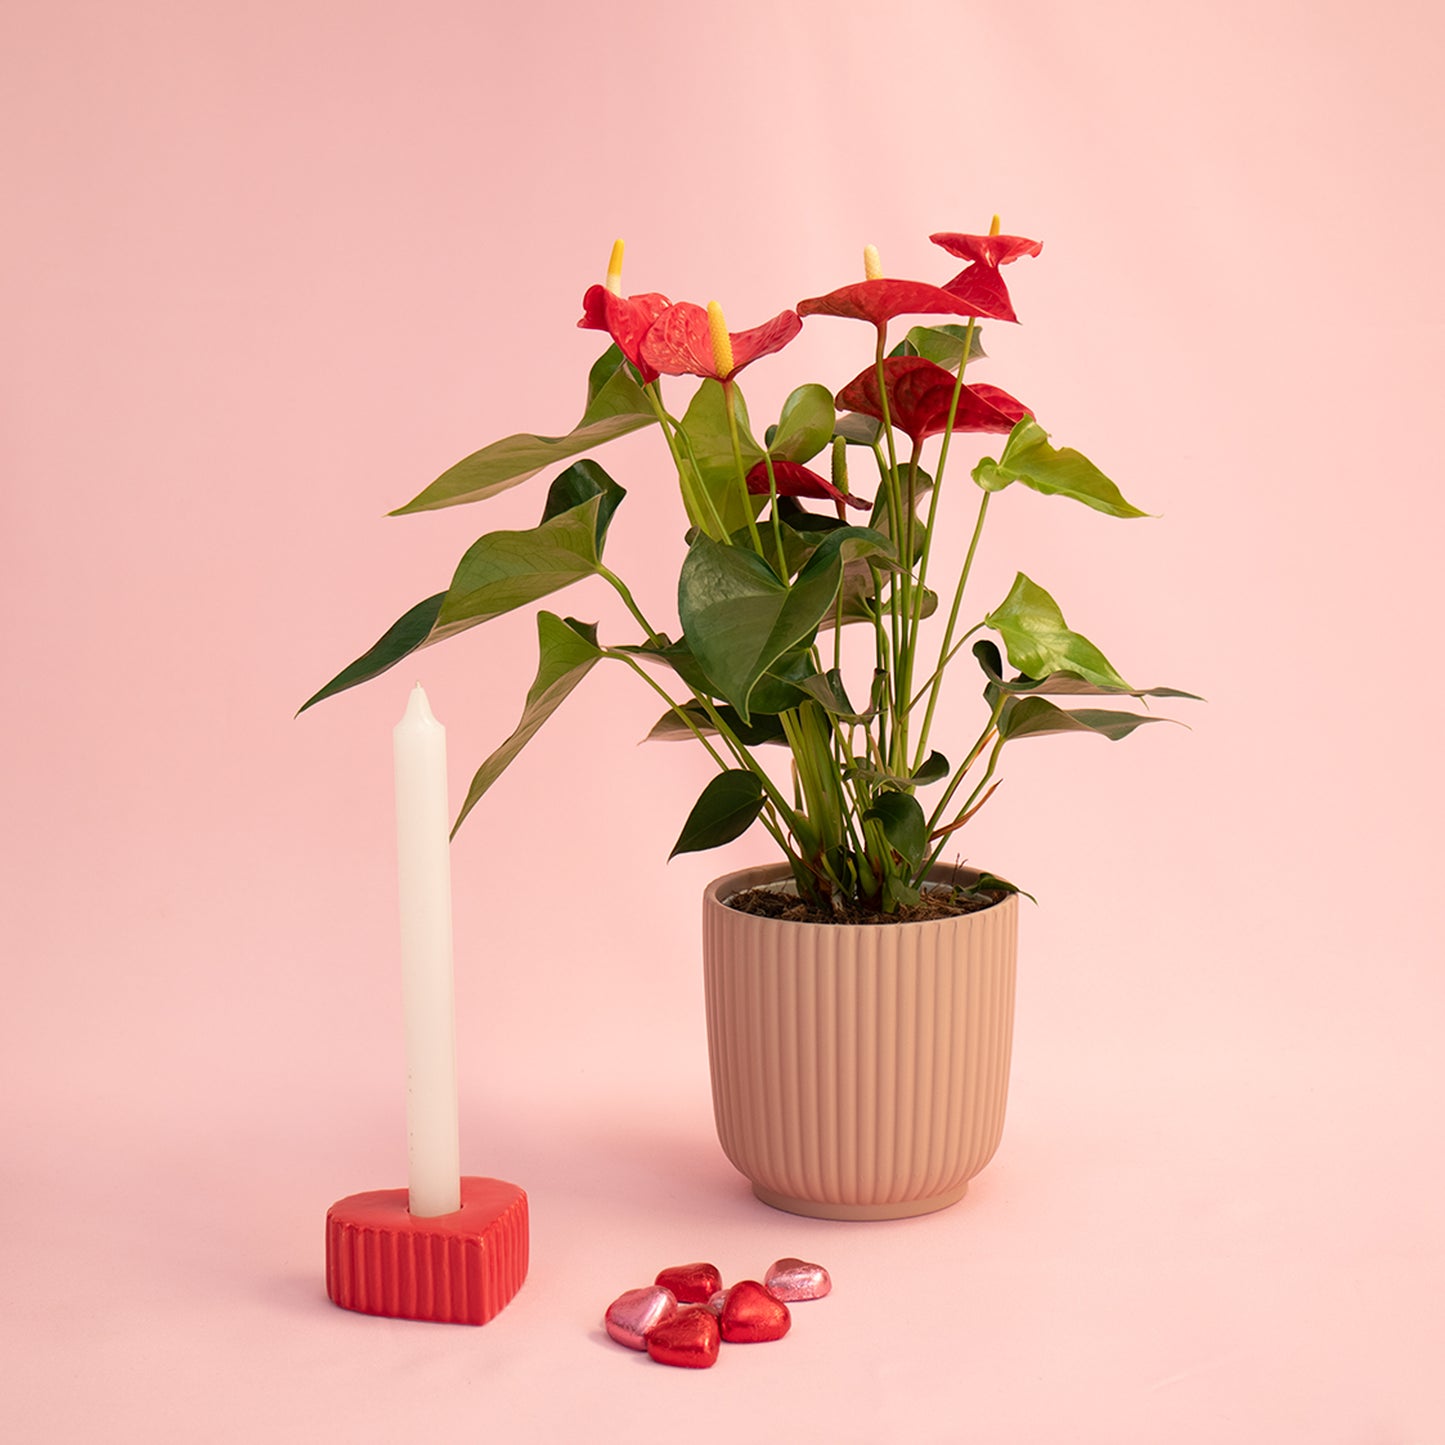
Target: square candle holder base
{"x":460,"y":1268}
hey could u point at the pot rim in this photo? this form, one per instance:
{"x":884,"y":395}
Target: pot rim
{"x":762,"y":875}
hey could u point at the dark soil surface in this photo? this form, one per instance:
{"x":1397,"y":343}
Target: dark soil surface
{"x":936,"y":903}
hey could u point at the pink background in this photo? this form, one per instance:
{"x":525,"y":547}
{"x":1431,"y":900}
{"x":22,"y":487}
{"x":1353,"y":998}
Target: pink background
{"x":270,"y":268}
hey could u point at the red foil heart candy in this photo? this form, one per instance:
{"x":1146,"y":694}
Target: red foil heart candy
{"x":690,"y":1338}
{"x":692,"y":1284}
{"x":630,"y":1316}
{"x":751,"y":1316}
{"x":796,"y":1279}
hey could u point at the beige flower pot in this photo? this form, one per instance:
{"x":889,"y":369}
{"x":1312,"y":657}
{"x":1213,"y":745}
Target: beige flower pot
{"x":858,"y":1072}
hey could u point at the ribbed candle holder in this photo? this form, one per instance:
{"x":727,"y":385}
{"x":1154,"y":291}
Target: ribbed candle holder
{"x":461,"y":1268}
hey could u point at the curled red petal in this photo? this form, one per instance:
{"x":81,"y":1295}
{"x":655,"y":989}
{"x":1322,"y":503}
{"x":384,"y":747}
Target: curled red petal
{"x":679,"y":342}
{"x":1001,"y":401}
{"x":990,"y":250}
{"x":626,"y":319}
{"x":920,"y":393}
{"x":881,"y":300}
{"x":981,"y":292}
{"x":795,"y":480}
{"x":763,"y":340}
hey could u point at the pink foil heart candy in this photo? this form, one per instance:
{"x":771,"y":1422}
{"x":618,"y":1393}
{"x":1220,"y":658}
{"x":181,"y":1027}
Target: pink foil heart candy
{"x":631,"y":1316}
{"x":716,"y":1303}
{"x":693,"y":1284}
{"x":752,"y":1316}
{"x":689,"y":1339}
{"x":796,"y":1279}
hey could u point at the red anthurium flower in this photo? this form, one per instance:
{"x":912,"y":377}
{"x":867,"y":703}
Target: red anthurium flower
{"x":681,"y":342}
{"x":990,"y":250}
{"x":626,"y":319}
{"x":980,"y":285}
{"x":880,"y":300}
{"x":919,"y":395}
{"x":795,"y":480}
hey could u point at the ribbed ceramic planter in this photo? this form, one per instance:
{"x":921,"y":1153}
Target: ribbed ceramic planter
{"x":858,"y":1072}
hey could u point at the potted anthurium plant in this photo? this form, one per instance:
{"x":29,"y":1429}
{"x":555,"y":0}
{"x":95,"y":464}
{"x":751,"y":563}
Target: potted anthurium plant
{"x":859,"y":990}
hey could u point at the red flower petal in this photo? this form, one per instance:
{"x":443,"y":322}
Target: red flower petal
{"x":881,"y":300}
{"x":1000,"y":400}
{"x":920,"y":394}
{"x":981,"y":292}
{"x":679,"y":342}
{"x":795,"y":480}
{"x":763,"y":340}
{"x":626,"y":319}
{"x":990,"y":250}
{"x":980,"y":284}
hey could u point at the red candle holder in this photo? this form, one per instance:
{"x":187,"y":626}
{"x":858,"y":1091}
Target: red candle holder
{"x":461,"y":1268}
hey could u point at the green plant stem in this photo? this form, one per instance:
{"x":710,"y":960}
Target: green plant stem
{"x":916,"y":620}
{"x":684,"y":479}
{"x":735,"y":744}
{"x":730,"y":405}
{"x":953,"y":405}
{"x":777,"y":521}
{"x":845,"y":786}
{"x":943,"y":651}
{"x":891,"y":476}
{"x":891,"y":490}
{"x":821,"y":800}
{"x":982,"y":783}
{"x":942,"y":663}
{"x":962,"y":771}
{"x":838,"y":627}
{"x":880,"y":635}
{"x":625,"y":593}
{"x":778,"y":830}
{"x":945,"y":655}
{"x":909,"y":628}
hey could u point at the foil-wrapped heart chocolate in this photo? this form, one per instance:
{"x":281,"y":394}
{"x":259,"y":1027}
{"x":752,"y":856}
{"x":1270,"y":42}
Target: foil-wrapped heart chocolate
{"x":693,"y":1284}
{"x":716,"y":1303}
{"x":690,"y":1339}
{"x":751,"y":1315}
{"x":632,"y":1315}
{"x":796,"y":1279}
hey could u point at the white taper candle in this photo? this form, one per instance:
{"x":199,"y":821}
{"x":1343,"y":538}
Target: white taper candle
{"x":424,"y":887}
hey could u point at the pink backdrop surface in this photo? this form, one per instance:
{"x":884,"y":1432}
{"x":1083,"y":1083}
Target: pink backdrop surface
{"x":268,"y":269}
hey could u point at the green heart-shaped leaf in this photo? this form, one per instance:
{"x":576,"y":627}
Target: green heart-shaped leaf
{"x":709,"y":446}
{"x":805,"y":426}
{"x":1039,"y":642}
{"x":858,"y":429}
{"x":409,"y":632}
{"x":501,"y":571}
{"x":933,"y":769}
{"x":1031,"y":717}
{"x":904,"y":825}
{"x":1028,"y":458}
{"x":678,"y":656}
{"x":567,"y":652}
{"x":505,"y":570}
{"x":728,"y":807}
{"x":740,"y":617}
{"x":766,"y":728}
{"x":581,"y":482}
{"x":1058,"y":682}
{"x":780,"y":688}
{"x":942,"y":345}
{"x":615,"y":406}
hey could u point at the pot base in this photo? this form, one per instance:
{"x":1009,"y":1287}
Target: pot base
{"x":900,"y":1209}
